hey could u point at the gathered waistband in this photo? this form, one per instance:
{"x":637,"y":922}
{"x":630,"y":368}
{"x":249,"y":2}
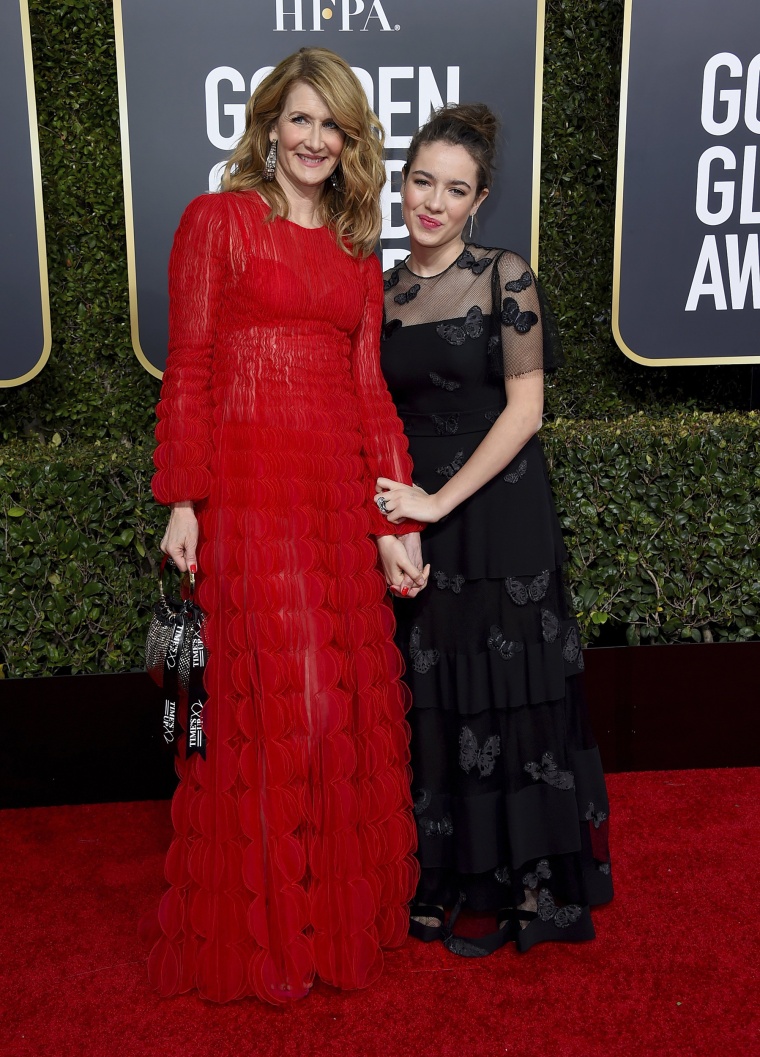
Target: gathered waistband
{"x":449,"y":423}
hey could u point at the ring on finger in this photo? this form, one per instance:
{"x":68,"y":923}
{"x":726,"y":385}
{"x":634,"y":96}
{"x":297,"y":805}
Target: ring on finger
{"x":382,"y":505}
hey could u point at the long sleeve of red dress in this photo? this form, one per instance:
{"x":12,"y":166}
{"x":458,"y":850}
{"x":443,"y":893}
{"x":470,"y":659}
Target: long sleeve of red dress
{"x":384,"y":444}
{"x":197,"y":270}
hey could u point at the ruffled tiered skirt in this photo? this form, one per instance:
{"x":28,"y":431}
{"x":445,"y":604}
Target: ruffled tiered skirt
{"x":509,"y":794}
{"x":293,"y":854}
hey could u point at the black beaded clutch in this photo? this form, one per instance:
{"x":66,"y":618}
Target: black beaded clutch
{"x":176,"y":656}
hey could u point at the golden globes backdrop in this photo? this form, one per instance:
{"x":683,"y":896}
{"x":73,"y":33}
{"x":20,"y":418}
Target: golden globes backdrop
{"x":687,"y":265}
{"x":24,"y":306}
{"x":187,"y":67}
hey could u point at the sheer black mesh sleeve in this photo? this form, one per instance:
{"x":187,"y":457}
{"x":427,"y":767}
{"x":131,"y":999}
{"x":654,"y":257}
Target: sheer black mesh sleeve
{"x":528,"y":339}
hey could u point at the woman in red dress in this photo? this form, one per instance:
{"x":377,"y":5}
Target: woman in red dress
{"x":293,"y":853}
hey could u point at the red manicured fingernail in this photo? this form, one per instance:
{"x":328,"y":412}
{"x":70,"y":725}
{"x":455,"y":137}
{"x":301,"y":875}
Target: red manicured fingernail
{"x":405,"y":591}
{"x":193,"y":568}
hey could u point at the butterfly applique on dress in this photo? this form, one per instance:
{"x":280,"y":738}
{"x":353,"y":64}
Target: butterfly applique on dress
{"x":444,"y":383}
{"x":520,"y":593}
{"x":561,"y":916}
{"x":471,"y":328}
{"x":571,"y":649}
{"x":511,"y":316}
{"x":391,"y":281}
{"x":514,"y":476}
{"x":422,"y":660}
{"x":549,"y":625}
{"x":445,"y":582}
{"x":408,"y":295}
{"x":542,"y":873}
{"x":516,"y":286}
{"x":595,"y":817}
{"x":431,"y":828}
{"x":446,"y":425}
{"x":453,"y":467}
{"x":548,"y":771}
{"x":598,"y":833}
{"x":470,"y":755}
{"x":421,"y":802}
{"x":505,"y":649}
{"x":477,"y":267}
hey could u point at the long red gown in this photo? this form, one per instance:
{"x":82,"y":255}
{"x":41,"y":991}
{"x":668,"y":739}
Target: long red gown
{"x":293,"y":853}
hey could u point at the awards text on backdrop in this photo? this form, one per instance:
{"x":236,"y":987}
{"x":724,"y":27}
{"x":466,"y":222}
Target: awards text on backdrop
{"x":186,"y":72}
{"x":400,"y":90}
{"x":728,"y":199}
{"x":687,"y":262}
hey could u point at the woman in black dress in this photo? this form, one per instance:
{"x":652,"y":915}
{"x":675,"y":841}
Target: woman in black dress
{"x":510,"y":799}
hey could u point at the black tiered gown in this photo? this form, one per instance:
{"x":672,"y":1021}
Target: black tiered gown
{"x":510,"y":799}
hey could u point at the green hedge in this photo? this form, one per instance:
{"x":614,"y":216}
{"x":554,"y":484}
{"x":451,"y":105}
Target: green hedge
{"x":80,"y":533}
{"x":663,"y":526}
{"x":661,"y":522}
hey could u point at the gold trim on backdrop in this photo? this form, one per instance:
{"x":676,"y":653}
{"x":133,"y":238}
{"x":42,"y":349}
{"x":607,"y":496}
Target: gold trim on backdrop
{"x":538,"y":102}
{"x":681,"y":361}
{"x":34,"y":143}
{"x":121,"y":71}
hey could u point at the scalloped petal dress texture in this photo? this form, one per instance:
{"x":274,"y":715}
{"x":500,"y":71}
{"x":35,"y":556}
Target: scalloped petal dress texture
{"x":293,"y":849}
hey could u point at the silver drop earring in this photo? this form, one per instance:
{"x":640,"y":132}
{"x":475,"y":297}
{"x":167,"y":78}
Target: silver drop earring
{"x":271,"y":162}
{"x":472,"y":220}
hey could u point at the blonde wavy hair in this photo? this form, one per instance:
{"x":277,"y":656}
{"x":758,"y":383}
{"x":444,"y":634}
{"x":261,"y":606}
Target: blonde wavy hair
{"x":352,"y":209}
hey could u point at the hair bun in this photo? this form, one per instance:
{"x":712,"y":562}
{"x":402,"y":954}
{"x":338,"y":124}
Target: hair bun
{"x":473,"y":126}
{"x":476,"y":116}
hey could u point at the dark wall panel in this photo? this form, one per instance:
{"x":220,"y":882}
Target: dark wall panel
{"x":97,"y":738}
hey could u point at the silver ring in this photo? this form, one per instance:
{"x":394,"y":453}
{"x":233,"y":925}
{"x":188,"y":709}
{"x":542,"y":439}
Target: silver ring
{"x":382,"y":504}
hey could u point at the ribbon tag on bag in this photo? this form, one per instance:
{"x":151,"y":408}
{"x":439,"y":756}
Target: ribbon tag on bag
{"x":171,"y":680}
{"x":185,"y":642}
{"x":176,"y":657}
{"x":196,"y":697}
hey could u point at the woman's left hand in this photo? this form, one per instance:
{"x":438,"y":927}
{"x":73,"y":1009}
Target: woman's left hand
{"x":407,"y":501}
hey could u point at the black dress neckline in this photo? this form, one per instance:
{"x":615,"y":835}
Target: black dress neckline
{"x":437,"y":275}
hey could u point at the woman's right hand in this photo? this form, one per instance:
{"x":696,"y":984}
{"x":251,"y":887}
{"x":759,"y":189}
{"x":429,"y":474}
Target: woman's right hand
{"x":180,"y":540}
{"x":402,"y":575}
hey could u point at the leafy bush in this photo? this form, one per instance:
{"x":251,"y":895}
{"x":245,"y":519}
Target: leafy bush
{"x":80,"y":531}
{"x":663,"y":525}
{"x":661,"y":522}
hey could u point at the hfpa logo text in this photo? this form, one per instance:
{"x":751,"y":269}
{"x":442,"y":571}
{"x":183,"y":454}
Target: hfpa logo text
{"x":353,"y":15}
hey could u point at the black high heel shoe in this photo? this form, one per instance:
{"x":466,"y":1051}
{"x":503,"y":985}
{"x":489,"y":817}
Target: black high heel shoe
{"x":426,"y":933}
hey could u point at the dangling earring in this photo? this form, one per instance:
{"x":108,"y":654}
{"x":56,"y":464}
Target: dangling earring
{"x":271,"y":162}
{"x":335,"y":182}
{"x":472,"y":219}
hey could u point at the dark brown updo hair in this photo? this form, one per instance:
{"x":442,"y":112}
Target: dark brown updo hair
{"x":470,"y":125}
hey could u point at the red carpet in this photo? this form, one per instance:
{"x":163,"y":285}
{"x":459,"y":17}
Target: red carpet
{"x":673,"y":971}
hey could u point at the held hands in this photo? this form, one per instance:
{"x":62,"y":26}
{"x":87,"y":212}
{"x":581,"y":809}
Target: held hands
{"x":401,"y":559}
{"x":406,"y":501}
{"x":180,"y":540}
